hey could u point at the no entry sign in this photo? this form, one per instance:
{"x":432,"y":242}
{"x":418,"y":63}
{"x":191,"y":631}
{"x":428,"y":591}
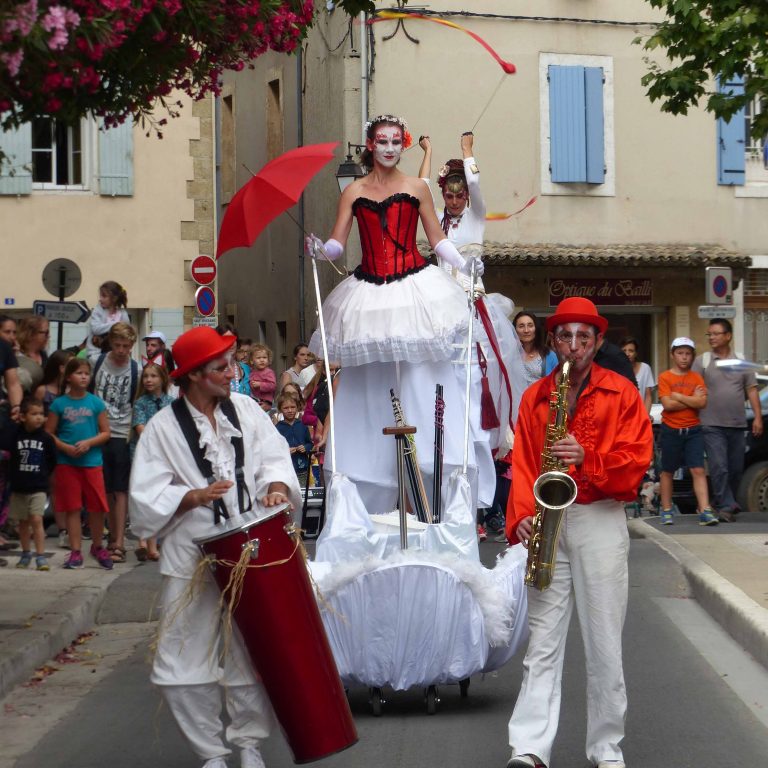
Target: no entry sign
{"x":203,"y":270}
{"x":205,"y":301}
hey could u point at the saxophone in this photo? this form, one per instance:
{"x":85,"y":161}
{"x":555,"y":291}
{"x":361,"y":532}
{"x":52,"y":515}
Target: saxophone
{"x":554,"y":490}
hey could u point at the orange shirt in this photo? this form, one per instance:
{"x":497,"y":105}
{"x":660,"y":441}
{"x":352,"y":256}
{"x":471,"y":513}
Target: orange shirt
{"x":685,"y":384}
{"x":610,"y":423}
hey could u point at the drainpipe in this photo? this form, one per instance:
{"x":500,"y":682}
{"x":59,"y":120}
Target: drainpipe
{"x":363,"y":76}
{"x":300,"y":142}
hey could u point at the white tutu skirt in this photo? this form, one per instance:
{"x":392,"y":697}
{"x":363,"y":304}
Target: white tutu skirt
{"x":414,"y":319}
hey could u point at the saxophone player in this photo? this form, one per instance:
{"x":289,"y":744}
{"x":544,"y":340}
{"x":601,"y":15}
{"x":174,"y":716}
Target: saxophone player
{"x":607,"y":450}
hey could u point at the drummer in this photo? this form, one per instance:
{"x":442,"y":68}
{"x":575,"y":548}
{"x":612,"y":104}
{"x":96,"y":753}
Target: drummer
{"x":170,"y":498}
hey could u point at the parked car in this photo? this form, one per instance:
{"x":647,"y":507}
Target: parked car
{"x":753,"y":489}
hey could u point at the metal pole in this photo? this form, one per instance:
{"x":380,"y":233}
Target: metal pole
{"x":402,"y":512}
{"x":62,"y":296}
{"x":472,"y":277}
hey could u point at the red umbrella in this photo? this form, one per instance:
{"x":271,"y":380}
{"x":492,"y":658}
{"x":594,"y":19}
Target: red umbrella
{"x":274,"y":189}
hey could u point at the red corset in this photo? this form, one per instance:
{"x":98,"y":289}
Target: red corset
{"x":388,"y":238}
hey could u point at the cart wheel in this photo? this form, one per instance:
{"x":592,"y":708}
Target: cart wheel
{"x":464,"y":687}
{"x":376,"y":701}
{"x":432,"y":700}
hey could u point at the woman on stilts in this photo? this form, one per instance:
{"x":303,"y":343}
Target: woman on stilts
{"x":393,"y":323}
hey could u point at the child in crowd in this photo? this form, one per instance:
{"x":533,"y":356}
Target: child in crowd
{"x":152,"y":397}
{"x":111,"y":309}
{"x":263,"y":379}
{"x":51,"y":386}
{"x":683,"y":394}
{"x":296,"y":434}
{"x":79,"y":425}
{"x":294,"y":390}
{"x":115,"y":381}
{"x":33,"y":458}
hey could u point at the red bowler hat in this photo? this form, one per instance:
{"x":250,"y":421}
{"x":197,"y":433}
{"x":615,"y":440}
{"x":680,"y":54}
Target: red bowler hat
{"x":198,"y":347}
{"x":576,"y":310}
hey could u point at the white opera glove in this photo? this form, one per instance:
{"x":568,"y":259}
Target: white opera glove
{"x":330,"y":250}
{"x":479,"y":266}
{"x":446,"y":250}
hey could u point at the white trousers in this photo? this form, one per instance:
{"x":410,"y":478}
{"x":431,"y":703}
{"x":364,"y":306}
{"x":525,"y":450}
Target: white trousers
{"x":191,"y":673}
{"x":590,"y":571}
{"x":197,"y":711}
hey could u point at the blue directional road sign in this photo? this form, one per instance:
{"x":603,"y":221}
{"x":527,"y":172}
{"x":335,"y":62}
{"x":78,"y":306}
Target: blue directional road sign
{"x":205,"y":301}
{"x":62,"y":311}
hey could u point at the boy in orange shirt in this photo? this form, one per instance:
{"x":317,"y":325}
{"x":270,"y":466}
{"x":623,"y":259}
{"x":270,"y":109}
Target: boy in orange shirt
{"x":683,"y":394}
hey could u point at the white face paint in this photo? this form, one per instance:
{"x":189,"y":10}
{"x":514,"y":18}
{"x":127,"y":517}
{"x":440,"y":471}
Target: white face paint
{"x":217,"y":376}
{"x":388,"y":145}
{"x":576,"y":342}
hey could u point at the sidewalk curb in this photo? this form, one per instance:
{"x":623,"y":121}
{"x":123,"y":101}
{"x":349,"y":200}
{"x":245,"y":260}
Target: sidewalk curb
{"x":745,"y":620}
{"x":47,"y":634}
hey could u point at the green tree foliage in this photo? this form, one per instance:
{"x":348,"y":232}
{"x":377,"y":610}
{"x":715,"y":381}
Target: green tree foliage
{"x":705,"y":42}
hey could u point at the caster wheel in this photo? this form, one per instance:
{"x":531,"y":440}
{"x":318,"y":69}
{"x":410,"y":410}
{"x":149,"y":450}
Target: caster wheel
{"x":432,"y":700}
{"x":376,"y":702}
{"x":464,"y":687}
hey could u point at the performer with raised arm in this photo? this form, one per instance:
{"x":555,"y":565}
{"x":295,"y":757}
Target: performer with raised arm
{"x":194,"y":666}
{"x":393,"y":323}
{"x":607,"y":449}
{"x":462,"y":217}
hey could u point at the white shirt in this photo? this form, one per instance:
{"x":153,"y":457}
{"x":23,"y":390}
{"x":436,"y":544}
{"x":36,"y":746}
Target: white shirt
{"x":471,"y":226}
{"x":164,"y":470}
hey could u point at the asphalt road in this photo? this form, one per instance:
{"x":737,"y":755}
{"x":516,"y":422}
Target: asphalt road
{"x":695,"y":698}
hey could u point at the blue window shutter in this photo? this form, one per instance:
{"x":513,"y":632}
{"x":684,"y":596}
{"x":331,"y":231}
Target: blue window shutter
{"x":568,"y":149}
{"x":116,"y":159}
{"x":593,"y":108}
{"x":731,"y":140}
{"x":17,"y":146}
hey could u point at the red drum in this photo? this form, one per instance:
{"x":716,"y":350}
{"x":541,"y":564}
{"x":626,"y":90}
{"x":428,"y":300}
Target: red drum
{"x":282,"y":630}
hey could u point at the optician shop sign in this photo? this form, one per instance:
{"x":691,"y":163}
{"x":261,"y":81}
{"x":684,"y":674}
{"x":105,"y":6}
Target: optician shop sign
{"x":603,"y":291}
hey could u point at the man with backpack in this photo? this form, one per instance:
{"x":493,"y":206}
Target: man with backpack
{"x":211,"y":455}
{"x":115,"y":380}
{"x":724,"y":420}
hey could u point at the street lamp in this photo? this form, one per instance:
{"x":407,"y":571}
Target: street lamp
{"x":349,"y":170}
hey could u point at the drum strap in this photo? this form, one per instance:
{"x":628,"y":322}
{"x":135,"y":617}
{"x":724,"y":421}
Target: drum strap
{"x":192,"y":436}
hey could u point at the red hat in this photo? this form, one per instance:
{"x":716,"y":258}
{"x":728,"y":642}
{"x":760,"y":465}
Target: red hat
{"x":576,"y":310}
{"x":198,"y":347}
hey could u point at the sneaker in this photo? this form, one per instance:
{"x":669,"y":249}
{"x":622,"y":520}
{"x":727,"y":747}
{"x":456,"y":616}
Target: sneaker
{"x":725,"y":516}
{"x":102,"y":557}
{"x":63,"y":539}
{"x":667,"y":517}
{"x":611,"y":764}
{"x":501,"y":538}
{"x":481,"y":534}
{"x":250,"y":757}
{"x":75,"y":560}
{"x":525,"y":761}
{"x":24,"y":560}
{"x":706,"y":517}
{"x":42,"y":563}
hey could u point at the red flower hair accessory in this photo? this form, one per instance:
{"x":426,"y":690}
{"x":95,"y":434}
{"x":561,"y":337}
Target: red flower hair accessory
{"x":407,"y":139}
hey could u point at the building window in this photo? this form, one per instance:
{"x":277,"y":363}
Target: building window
{"x":274,"y":120}
{"x":577,"y":145}
{"x":756,"y":148}
{"x":228,"y":149}
{"x":741,"y":159}
{"x":57,"y":154}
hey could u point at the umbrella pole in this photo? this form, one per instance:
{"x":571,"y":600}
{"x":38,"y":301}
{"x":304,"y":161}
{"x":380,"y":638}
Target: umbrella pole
{"x":468,"y":382}
{"x":332,"y":440}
